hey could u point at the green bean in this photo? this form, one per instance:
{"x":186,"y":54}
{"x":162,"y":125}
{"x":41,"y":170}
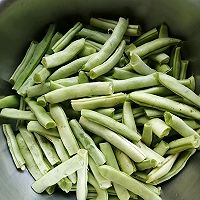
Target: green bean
{"x":147,"y":134}
{"x":93,"y":35}
{"x":98,"y":102}
{"x":192,"y":123}
{"x":22,"y":107}
{"x":161,"y":58}
{"x":105,"y":24}
{"x":23,"y":64}
{"x":106,"y":111}
{"x":35,"y":60}
{"x":165,"y":104}
{"x":118,"y":141}
{"x":108,"y":64}
{"x":44,"y":119}
{"x":141,"y":120}
{"x":87,"y":142}
{"x":127,"y":117}
{"x":189,"y":82}
{"x":48,"y":150}
{"x":125,"y":163}
{"x":34,"y":126}
{"x":35,"y":150}
{"x":63,"y":56}
{"x":158,"y":172}
{"x":177,"y":167}
{"x":65,"y":184}
{"x":41,"y":76}
{"x":101,"y":193}
{"x":65,"y":40}
{"x":153,"y":113}
{"x":159,"y":127}
{"x":77,"y":91}
{"x":87,"y":50}
{"x":161,"y":148}
{"x":129,"y":48}
{"x":109,"y":46}
{"x":106,"y":148}
{"x":153,"y":46}
{"x":96,"y":45}
{"x":183,"y":70}
{"x":56,"y":174}
{"x":17,"y":114}
{"x":41,"y":101}
{"x":82,"y":77}
{"x":120,"y":73}
{"x":176,"y":63}
{"x":150,"y":154}
{"x":82,"y":179}
{"x":146,"y":164}
{"x":128,"y":182}
{"x":54,"y":39}
{"x":11,"y":101}
{"x":141,"y":176}
{"x":163,"y":32}
{"x":164,"y":68}
{"x":181,"y":90}
{"x":139,"y":66}
{"x":135,"y":83}
{"x":146,"y":37}
{"x":64,"y":129}
{"x":110,"y":123}
{"x":13,"y":147}
{"x":123,"y":61}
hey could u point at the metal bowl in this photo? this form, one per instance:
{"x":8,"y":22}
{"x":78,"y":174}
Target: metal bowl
{"x":21,"y":21}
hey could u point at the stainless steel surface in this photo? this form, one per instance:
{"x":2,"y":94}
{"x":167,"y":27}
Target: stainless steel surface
{"x":23,"y":20}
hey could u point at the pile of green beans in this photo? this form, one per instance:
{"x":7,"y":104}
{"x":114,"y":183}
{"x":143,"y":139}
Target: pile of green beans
{"x":96,"y":114}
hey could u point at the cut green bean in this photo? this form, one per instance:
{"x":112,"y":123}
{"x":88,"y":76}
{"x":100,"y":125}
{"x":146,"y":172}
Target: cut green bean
{"x":98,"y":102}
{"x":139,"y":66}
{"x":110,"y":123}
{"x":161,"y":148}
{"x":141,"y":176}
{"x":106,"y":148}
{"x":24,"y":62}
{"x":146,"y":37}
{"x":141,"y":120}
{"x":41,"y":101}
{"x":128,"y":182}
{"x":13,"y":147}
{"x":159,"y":127}
{"x":87,"y":50}
{"x":176,"y":63}
{"x":189,"y":82}
{"x":120,"y":73}
{"x":80,"y":90}
{"x":106,"y":111}
{"x":183,"y":70}
{"x":153,"y":46}
{"x":160,"y":58}
{"x":35,"y":60}
{"x":44,"y":119}
{"x":108,"y":64}
{"x":41,"y":76}
{"x":35,"y":150}
{"x":11,"y":101}
{"x":135,"y":83}
{"x":65,"y":40}
{"x":93,"y":35}
{"x":164,"y":68}
{"x":65,"y":184}
{"x":48,"y":150}
{"x":56,"y":174}
{"x":64,"y":129}
{"x":147,"y":134}
{"x":109,"y":46}
{"x":105,"y":24}
{"x":102,"y":182}
{"x":82,"y":77}
{"x":146,"y":164}
{"x":165,"y":104}
{"x":118,"y":141}
{"x":127,"y":117}
{"x":153,"y":113}
{"x":192,"y":123}
{"x":159,"y":172}
{"x":54,"y":39}
{"x":125,"y":163}
{"x":123,"y":61}
{"x":17,"y":114}
{"x":177,"y":167}
{"x":96,"y":45}
{"x":179,"y":125}
{"x":63,"y":56}
{"x":163,"y":32}
{"x":34,"y":126}
{"x":87,"y":142}
{"x":22,"y":107}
